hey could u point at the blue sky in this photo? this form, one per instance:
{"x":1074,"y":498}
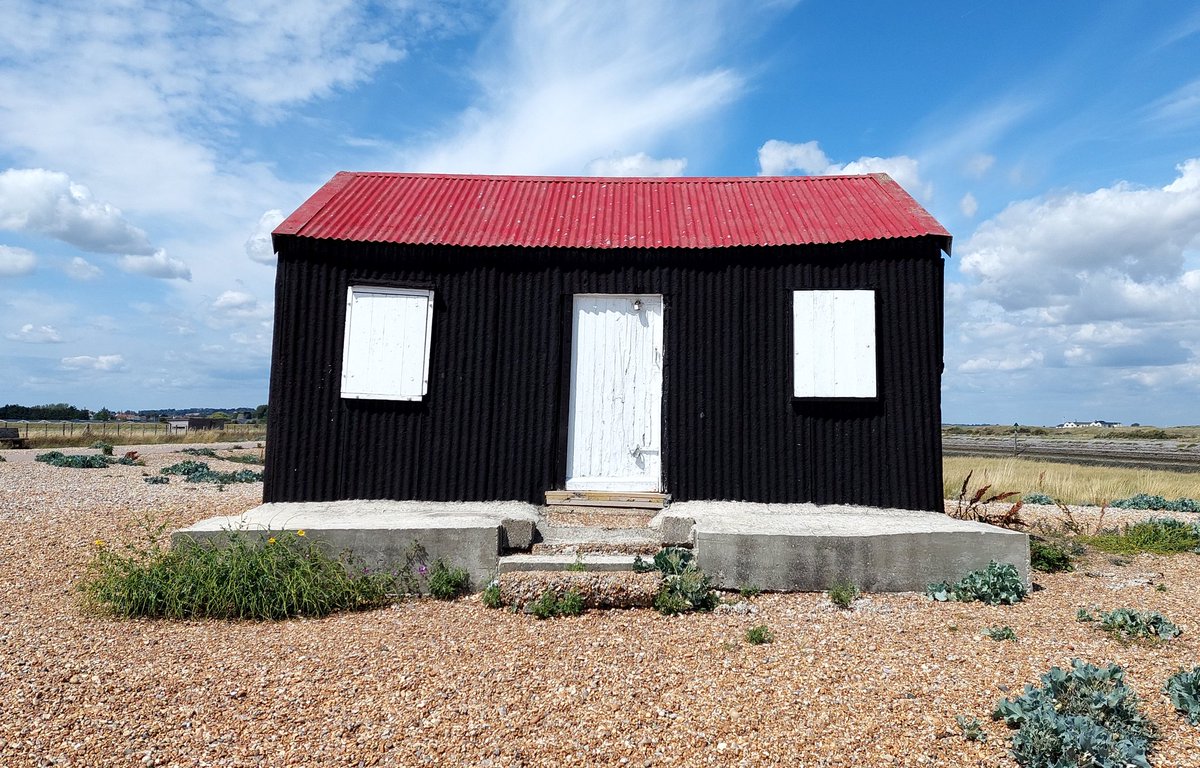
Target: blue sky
{"x":146,"y":150}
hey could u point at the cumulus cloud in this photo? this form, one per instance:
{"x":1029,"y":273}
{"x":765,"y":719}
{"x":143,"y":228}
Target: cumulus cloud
{"x":49,"y":203}
{"x":15,"y":262}
{"x":1103,"y":282}
{"x":81,"y":269}
{"x":778,"y":158}
{"x":566,"y":82}
{"x":90,"y":363}
{"x":1122,"y":240}
{"x":258,"y":246}
{"x":39,"y":334}
{"x":639,"y":164}
{"x":157,"y":265}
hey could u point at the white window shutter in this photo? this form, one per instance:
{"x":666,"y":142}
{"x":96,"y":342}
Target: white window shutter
{"x":833,"y":344}
{"x":385,"y":355}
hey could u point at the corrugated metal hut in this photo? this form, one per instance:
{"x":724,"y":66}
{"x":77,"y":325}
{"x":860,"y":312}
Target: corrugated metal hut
{"x":454,"y":337}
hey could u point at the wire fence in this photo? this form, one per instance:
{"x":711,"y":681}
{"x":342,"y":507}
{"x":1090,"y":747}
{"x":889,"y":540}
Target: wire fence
{"x":147,"y":430}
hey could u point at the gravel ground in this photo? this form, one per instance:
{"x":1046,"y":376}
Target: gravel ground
{"x":429,"y":683}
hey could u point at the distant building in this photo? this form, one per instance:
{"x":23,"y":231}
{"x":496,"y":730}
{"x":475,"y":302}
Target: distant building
{"x":1096,"y":423}
{"x":187,"y":423}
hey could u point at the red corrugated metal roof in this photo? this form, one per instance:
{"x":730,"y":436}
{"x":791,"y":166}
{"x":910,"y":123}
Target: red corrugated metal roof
{"x":596,"y":212}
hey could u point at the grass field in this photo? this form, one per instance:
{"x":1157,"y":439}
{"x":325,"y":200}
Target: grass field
{"x":59,"y":434}
{"x":1146,"y":432}
{"x":1068,"y":483}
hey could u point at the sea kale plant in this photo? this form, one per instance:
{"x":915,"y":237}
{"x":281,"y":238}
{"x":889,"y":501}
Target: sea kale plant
{"x":998,"y":584}
{"x":1128,"y":624}
{"x":1183,"y":688}
{"x":685,"y":587}
{"x":1084,"y":716}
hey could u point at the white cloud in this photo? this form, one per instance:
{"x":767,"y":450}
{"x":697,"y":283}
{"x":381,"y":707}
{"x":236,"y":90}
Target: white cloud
{"x":15,"y":262}
{"x":81,"y":269}
{"x":235,"y":300}
{"x":566,"y":82}
{"x":777,"y":158}
{"x":1049,"y":252}
{"x":258,"y":246}
{"x":31,"y":334}
{"x":90,"y":363}
{"x":639,"y":164}
{"x":158,"y":265}
{"x":49,"y":203}
{"x":968,"y":205}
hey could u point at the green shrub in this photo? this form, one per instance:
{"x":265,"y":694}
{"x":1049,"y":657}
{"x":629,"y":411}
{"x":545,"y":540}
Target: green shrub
{"x":156,"y":479}
{"x":103,"y":447}
{"x":446,"y":583}
{"x":843,"y":593}
{"x":491,"y":596}
{"x":1086,"y":716}
{"x":571,"y":603}
{"x":1159,"y":535}
{"x":1128,"y":624}
{"x":245,"y":458}
{"x":759,"y":635}
{"x":247,"y":578}
{"x":685,"y":587}
{"x":998,"y":584}
{"x":1037,"y":498}
{"x":1000,"y":633}
{"x":1183,"y":688}
{"x":546,"y":606}
{"x":59,"y":459}
{"x":1050,"y":556}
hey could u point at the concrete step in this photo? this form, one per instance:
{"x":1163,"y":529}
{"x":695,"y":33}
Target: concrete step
{"x":575,"y":516}
{"x":619,"y":499}
{"x":565,"y":562}
{"x":572,"y":540}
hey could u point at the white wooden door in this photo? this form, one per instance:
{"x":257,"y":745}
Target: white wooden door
{"x":614,"y":441}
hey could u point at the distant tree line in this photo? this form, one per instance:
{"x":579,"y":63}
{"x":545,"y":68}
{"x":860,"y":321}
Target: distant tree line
{"x":50,"y":412}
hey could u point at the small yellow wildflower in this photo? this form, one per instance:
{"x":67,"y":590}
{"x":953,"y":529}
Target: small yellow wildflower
{"x":271,"y":540}
{"x":300,"y":533}
{"x":99,"y":542}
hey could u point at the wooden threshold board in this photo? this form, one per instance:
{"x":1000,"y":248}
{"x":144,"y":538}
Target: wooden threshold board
{"x":625,"y":499}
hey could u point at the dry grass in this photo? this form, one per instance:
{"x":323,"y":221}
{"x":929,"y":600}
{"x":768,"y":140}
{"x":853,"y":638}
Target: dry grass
{"x":67,"y":435}
{"x":1144,"y":432}
{"x":1068,"y":483}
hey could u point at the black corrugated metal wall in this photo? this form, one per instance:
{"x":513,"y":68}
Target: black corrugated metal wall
{"x":492,"y":424}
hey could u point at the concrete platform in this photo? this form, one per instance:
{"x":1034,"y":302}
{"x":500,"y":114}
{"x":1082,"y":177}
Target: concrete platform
{"x":805,"y":547}
{"x":784,"y":547}
{"x":468,"y":535}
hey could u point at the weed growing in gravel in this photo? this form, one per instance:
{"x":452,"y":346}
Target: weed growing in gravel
{"x":1160,"y":587}
{"x":843,"y":593}
{"x":998,"y":584}
{"x":1127,"y":624}
{"x":1159,"y":535}
{"x":244,"y":578}
{"x":491,"y":595}
{"x":975,"y":506}
{"x":1085,"y":716}
{"x":446,"y":583}
{"x":103,"y":447}
{"x":1183,"y":688}
{"x":209,"y":452}
{"x":1037,"y":498}
{"x":759,"y":635}
{"x":550,"y":606}
{"x":156,"y":479}
{"x":1000,"y":633}
{"x":749,"y":593}
{"x":685,"y":587}
{"x":972,"y":729}
{"x":1050,"y":556}
{"x":578,"y":566}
